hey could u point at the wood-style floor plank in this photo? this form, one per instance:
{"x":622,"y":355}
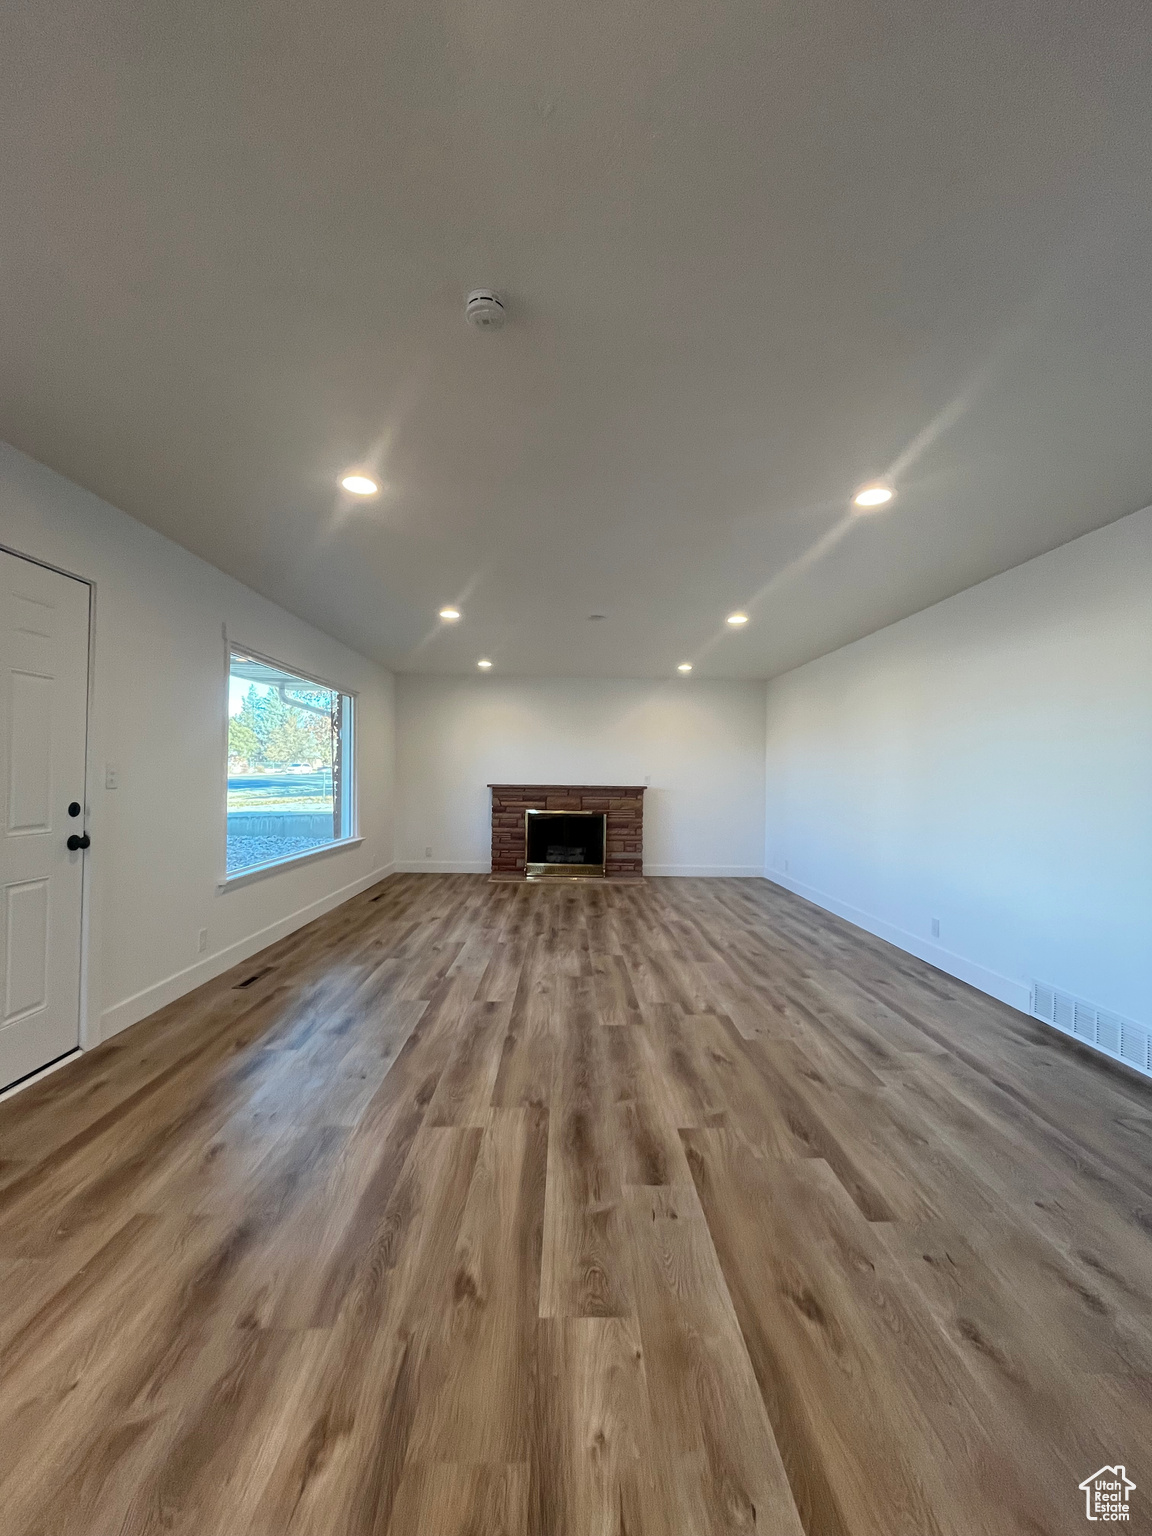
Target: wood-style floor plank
{"x":594,"y":1466}
{"x":583,"y":1210}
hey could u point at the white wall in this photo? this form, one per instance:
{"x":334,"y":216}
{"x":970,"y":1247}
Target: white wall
{"x":987,"y":762}
{"x":699,"y":744}
{"x":156,"y":712}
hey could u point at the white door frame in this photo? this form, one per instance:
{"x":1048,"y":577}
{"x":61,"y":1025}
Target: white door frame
{"x":89,"y":1016}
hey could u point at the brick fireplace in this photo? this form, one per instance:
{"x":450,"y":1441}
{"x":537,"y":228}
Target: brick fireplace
{"x":621,"y":804}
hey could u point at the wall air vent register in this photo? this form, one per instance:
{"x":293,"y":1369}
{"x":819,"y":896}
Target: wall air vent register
{"x":1104,"y":1031}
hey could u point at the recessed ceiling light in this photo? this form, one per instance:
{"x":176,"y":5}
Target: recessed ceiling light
{"x":450,"y":614}
{"x":736,"y":619}
{"x":869,"y":496}
{"x":685,"y":666}
{"x":484,"y":664}
{"x":359,"y":485}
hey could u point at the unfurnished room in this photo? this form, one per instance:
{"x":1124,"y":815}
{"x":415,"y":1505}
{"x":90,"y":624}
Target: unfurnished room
{"x":576,"y":768}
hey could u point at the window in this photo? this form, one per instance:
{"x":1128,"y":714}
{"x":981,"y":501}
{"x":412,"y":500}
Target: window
{"x":290,"y":764}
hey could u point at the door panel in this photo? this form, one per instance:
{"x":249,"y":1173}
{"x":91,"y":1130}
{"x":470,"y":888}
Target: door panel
{"x":26,"y":949}
{"x":30,"y":754}
{"x":43,"y":723}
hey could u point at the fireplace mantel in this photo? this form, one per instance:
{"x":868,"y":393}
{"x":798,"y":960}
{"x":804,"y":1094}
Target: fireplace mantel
{"x":623,"y":804}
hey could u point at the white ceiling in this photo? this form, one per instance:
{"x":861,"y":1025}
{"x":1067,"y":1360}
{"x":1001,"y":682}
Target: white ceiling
{"x":753,"y":253}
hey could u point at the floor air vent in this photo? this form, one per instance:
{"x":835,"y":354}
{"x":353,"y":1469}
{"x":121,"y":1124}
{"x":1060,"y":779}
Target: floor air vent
{"x":250,"y":980}
{"x":1104,"y":1031}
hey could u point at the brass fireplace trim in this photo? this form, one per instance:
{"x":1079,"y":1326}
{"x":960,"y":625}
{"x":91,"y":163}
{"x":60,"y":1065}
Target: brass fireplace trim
{"x":564,"y":871}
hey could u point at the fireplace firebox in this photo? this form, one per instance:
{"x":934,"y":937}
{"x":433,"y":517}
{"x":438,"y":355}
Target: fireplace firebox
{"x":564,"y":844}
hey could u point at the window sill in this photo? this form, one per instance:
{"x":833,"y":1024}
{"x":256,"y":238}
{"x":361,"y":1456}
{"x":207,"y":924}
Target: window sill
{"x":274,"y":866}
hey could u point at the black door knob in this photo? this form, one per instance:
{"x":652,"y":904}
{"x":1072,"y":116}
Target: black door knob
{"x":74,"y":808}
{"x":75,"y":842}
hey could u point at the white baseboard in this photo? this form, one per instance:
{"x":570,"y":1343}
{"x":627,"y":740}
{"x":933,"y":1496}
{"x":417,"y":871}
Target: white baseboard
{"x":132,"y":1009}
{"x":707,"y":871}
{"x":443,"y":866}
{"x":1016,"y":994}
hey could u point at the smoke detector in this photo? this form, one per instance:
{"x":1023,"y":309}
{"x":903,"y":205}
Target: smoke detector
{"x":484,"y":310}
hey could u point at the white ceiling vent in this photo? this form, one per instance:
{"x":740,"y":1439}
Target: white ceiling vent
{"x":1104,"y":1031}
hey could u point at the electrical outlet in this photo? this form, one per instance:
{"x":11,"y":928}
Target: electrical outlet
{"x":428,"y":852}
{"x":202,"y":943}
{"x":935,"y":927}
{"x":111,"y":776}
{"x":785,"y":866}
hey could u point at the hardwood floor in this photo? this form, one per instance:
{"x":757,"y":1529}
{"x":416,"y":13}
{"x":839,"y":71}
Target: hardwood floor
{"x":487,"y":1208}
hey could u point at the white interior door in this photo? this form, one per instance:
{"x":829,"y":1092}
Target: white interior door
{"x":43,"y":723}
